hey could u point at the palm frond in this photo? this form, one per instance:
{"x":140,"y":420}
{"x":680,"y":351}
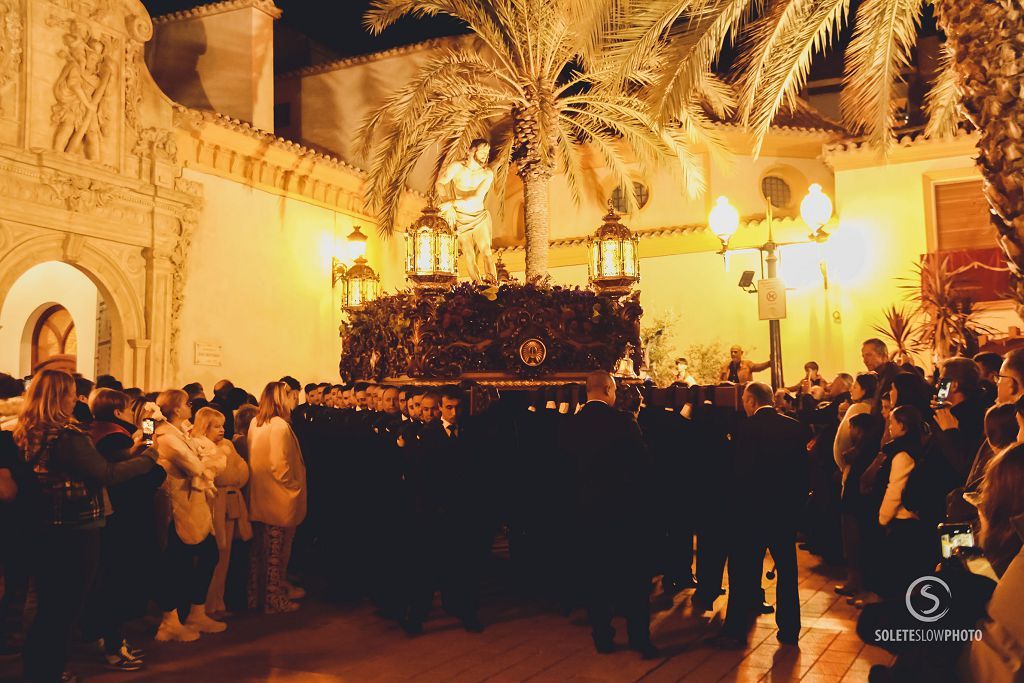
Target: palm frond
{"x":486,"y":18}
{"x":883,"y":39}
{"x":778,"y":59}
{"x":637,"y":38}
{"x":945,"y":110}
{"x":685,"y":63}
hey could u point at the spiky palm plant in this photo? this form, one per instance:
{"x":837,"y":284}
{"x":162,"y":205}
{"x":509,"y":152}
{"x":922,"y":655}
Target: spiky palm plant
{"x":902,"y":328}
{"x":980,"y":74}
{"x":950,"y":327}
{"x":539,"y":89}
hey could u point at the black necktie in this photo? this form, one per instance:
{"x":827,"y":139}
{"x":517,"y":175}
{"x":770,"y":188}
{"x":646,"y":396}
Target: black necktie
{"x":452,"y":431}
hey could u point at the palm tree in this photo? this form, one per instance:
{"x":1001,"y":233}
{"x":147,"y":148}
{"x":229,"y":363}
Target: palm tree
{"x":980,"y":75}
{"x":540,"y":89}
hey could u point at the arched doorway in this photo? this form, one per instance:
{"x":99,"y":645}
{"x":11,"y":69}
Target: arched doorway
{"x":54,"y":315}
{"x":54,"y":341}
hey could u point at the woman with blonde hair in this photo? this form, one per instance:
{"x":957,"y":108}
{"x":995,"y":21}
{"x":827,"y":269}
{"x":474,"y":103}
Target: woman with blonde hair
{"x":68,"y":514}
{"x":230,"y":515}
{"x":191,"y":554}
{"x":277,"y":498}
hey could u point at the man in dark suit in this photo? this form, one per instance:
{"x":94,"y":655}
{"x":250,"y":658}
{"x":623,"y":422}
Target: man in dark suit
{"x":610,"y":477}
{"x":768,"y":490}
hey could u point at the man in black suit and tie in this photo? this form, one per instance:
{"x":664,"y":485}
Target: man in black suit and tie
{"x":768,"y":490}
{"x":610,"y":474}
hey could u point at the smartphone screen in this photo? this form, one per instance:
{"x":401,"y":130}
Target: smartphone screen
{"x":148,"y":427}
{"x":942,"y":394}
{"x":953,"y":536}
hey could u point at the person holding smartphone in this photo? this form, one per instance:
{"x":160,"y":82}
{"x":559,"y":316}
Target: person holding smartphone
{"x":960,"y":405}
{"x":128,"y":541}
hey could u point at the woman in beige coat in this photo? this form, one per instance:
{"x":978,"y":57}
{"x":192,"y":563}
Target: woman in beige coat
{"x":277,"y":498}
{"x":230,"y":514}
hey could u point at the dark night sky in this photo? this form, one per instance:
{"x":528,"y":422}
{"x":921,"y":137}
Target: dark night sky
{"x":338,"y":24}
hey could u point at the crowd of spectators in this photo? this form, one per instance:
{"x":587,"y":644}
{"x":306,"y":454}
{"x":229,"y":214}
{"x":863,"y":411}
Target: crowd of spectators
{"x":116,"y":504}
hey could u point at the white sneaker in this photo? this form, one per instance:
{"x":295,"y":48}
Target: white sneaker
{"x":198,"y":620}
{"x":171,"y":629}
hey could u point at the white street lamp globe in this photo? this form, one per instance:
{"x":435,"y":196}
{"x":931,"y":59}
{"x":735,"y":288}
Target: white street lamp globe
{"x":816,"y":208}
{"x":724,"y":220}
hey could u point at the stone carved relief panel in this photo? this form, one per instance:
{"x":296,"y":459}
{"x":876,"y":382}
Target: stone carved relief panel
{"x":11,"y":53}
{"x":85,"y":115}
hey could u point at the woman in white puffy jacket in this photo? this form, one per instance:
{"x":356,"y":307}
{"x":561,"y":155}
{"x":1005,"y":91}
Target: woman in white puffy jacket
{"x":191,"y":554}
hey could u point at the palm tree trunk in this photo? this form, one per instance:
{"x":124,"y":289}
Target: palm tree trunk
{"x":986,"y":38}
{"x":536,"y":184}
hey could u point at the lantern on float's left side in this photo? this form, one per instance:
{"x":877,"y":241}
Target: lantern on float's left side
{"x":431,"y":251}
{"x":614,"y":257}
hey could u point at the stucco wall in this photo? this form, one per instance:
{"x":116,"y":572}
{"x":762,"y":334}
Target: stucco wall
{"x":43,"y":285}
{"x":259,"y":286}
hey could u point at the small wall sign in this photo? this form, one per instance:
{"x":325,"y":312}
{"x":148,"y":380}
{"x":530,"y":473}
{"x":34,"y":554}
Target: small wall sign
{"x":208,"y":353}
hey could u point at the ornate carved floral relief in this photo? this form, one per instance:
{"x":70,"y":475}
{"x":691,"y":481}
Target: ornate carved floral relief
{"x":161,"y":144}
{"x":96,"y":10}
{"x":86,"y":84}
{"x":11,"y":29}
{"x":79,"y":193}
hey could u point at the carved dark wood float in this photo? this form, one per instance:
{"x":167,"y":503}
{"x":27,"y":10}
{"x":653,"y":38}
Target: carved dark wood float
{"x":509,"y":336}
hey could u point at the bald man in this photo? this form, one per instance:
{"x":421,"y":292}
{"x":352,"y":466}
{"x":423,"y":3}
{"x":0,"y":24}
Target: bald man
{"x":611,"y":475}
{"x":739,"y":370}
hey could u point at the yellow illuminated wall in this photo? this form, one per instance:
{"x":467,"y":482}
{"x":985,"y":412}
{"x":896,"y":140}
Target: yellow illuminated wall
{"x":881,"y":226}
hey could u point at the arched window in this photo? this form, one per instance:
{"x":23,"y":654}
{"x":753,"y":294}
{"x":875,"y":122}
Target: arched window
{"x":54,"y":339}
{"x":620,"y":203}
{"x":776,"y":190}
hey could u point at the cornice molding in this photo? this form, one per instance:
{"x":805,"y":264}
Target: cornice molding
{"x":266,"y":6}
{"x":198,"y":116}
{"x":667,"y":231}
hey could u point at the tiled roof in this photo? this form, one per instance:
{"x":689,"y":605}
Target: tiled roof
{"x":346,"y":62}
{"x":802,"y":117}
{"x":267,"y":6}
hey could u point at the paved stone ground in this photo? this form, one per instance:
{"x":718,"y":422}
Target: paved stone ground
{"x":322,"y":643}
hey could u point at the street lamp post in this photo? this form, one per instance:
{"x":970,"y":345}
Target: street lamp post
{"x":816,"y":210}
{"x":770,"y":250}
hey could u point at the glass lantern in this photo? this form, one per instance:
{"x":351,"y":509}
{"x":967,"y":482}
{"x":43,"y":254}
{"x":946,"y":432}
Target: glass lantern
{"x":816,"y":210}
{"x":431,"y":251}
{"x":724,"y":221}
{"x":360,"y":285}
{"x":356,"y":243}
{"x":614,"y":257}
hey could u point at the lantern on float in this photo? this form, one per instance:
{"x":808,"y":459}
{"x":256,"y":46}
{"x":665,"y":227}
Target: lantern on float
{"x":431,"y":251}
{"x":614,"y":257}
